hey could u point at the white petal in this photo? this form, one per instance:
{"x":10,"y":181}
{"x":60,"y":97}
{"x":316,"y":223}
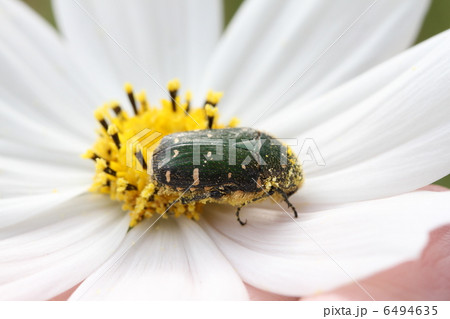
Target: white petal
{"x":24,"y":128}
{"x":394,"y":139}
{"x":44,"y":257}
{"x":46,"y":175}
{"x":145,"y":41}
{"x":45,"y":153}
{"x":320,"y":251}
{"x":20,"y":208}
{"x":271,"y":44}
{"x":299,"y":117}
{"x":173,"y":260}
{"x":38,"y":79}
{"x":28,"y":170}
{"x":29,"y":187}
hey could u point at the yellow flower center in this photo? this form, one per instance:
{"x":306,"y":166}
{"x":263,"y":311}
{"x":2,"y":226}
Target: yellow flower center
{"x":120,"y":152}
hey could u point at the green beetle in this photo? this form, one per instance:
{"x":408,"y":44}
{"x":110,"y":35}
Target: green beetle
{"x":237,"y":166}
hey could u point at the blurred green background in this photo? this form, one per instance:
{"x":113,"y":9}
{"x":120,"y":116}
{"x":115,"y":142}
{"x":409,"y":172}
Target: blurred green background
{"x":437,"y":20}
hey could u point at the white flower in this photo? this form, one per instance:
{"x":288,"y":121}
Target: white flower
{"x":382,"y":125}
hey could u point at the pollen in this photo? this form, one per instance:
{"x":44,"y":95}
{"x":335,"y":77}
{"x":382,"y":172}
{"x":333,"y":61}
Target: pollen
{"x":122,"y":151}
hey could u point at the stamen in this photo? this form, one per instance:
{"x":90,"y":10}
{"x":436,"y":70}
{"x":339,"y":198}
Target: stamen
{"x":101,"y":118}
{"x":211,"y":112}
{"x":141,"y":159}
{"x":131,"y":187}
{"x":102,"y":166}
{"x":173,"y":87}
{"x":142,"y":98}
{"x":123,"y":185}
{"x":91,"y":155}
{"x":114,"y":132}
{"x":188,"y":100}
{"x":117,"y":110}
{"x":213,"y":98}
{"x":129,"y":90}
{"x":110,"y":171}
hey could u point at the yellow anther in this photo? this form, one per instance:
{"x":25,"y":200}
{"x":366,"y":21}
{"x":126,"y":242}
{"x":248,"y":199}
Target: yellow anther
{"x":148,"y":191}
{"x":234,"y":122}
{"x":112,"y":104}
{"x":99,"y":114}
{"x":133,"y":222}
{"x":213,"y":97}
{"x":128,"y":88}
{"x":211,"y":111}
{"x":88,"y":154}
{"x":142,"y":98}
{"x":100,"y":164}
{"x":112,"y":129}
{"x":173,"y":85}
{"x":121,"y":185}
{"x":188,"y":96}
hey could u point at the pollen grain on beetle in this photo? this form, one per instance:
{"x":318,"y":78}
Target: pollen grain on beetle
{"x":125,"y":138}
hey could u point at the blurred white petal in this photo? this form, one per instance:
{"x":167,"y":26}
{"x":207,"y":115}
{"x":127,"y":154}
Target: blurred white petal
{"x":269,"y":44}
{"x":38,"y":79}
{"x":167,"y":38}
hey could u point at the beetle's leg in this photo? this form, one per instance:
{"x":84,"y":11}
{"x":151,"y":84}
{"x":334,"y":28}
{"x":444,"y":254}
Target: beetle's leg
{"x":238,"y":219}
{"x":285,"y":197}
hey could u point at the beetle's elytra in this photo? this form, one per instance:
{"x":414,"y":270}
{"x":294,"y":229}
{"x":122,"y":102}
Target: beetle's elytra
{"x":237,"y":166}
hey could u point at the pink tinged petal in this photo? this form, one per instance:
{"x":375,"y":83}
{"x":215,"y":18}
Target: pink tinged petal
{"x":434,"y":188}
{"x":426,"y":278}
{"x":165,"y":39}
{"x":65,"y":295}
{"x":39,"y":80}
{"x":261,"y":295}
{"x":47,"y":255}
{"x":175,"y":259}
{"x":324,"y":250}
{"x":391,"y":140}
{"x":270,"y":44}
